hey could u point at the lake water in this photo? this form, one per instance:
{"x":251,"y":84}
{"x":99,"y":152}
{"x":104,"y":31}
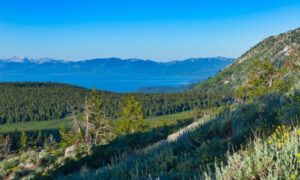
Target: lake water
{"x":116,"y":83}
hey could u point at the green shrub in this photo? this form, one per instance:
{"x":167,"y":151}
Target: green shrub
{"x":278,"y":157}
{"x":4,"y":172}
{"x":39,"y":170}
{"x":8,"y":164}
{"x":60,"y":160}
{"x":20,"y":172}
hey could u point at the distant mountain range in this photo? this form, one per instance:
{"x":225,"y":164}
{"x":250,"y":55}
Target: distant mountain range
{"x":136,"y":72}
{"x":194,"y":66}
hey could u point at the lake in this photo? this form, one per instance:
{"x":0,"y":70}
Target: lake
{"x":113,"y":82}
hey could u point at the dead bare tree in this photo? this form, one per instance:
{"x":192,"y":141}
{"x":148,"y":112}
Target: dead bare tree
{"x":76,"y":123}
{"x":7,"y":144}
{"x":96,"y":127}
{"x":103,"y":131}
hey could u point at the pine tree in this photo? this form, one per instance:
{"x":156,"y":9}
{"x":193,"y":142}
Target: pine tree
{"x":39,"y":140}
{"x":68,"y":138}
{"x":264,"y":79}
{"x":46,"y":143}
{"x":23,"y":142}
{"x":132,"y":119}
{"x":2,"y":146}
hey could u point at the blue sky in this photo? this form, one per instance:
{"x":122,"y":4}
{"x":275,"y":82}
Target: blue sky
{"x":160,"y":30}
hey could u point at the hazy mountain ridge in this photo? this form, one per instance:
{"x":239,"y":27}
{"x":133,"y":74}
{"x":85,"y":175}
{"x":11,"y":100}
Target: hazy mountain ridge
{"x":194,"y":66}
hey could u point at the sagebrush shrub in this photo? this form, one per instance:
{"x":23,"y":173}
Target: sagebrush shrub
{"x":277,"y":157}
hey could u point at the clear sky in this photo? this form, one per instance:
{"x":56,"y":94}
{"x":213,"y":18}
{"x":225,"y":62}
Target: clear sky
{"x":160,"y":30}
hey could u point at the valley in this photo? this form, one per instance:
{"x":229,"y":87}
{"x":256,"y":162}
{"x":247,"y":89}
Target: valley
{"x":242,"y":123}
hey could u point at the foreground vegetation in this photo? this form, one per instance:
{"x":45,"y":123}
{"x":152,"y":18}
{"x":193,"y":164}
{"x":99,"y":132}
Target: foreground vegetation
{"x":276,"y":157}
{"x":53,"y":160}
{"x":254,"y":135}
{"x":198,"y":152}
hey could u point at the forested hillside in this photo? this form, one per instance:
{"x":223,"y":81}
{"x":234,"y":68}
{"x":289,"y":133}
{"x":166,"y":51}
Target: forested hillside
{"x":37,"y":101}
{"x":20,"y":102}
{"x":274,"y":48}
{"x":165,"y":89}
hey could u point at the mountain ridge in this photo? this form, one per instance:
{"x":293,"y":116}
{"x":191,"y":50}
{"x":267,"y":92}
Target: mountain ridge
{"x":192,"y":66}
{"x":275,"y":48}
{"x":47,"y":59}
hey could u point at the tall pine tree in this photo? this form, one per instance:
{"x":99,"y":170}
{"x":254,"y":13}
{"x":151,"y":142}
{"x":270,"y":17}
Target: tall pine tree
{"x":23,"y":141}
{"x":132,"y":119}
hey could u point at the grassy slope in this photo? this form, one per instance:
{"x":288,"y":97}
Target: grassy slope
{"x":167,"y":119}
{"x":67,"y":123}
{"x":36,"y":126}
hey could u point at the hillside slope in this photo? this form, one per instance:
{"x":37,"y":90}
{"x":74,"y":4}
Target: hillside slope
{"x":274,"y":48}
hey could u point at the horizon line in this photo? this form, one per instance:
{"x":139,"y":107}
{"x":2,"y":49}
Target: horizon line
{"x":112,"y":57}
